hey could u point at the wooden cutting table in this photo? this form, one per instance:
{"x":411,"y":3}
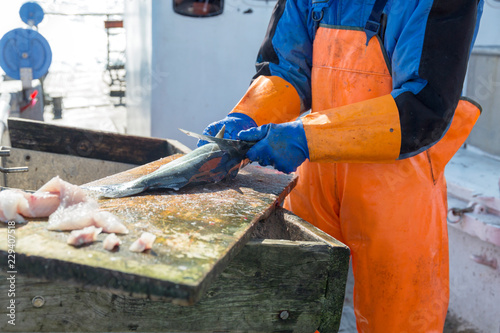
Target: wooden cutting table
{"x":227,"y":250}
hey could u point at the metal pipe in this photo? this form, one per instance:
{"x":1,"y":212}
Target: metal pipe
{"x":57,"y":107}
{"x":6,"y":152}
{"x":14,"y":170}
{"x":4,"y":113}
{"x":84,"y":14}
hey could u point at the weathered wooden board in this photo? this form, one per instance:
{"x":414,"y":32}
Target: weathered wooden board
{"x":40,"y":136}
{"x":294,"y":283}
{"x":44,"y":166}
{"x":199,"y":230}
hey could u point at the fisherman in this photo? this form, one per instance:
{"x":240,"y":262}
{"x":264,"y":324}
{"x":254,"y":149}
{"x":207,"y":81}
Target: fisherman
{"x":383,"y":81}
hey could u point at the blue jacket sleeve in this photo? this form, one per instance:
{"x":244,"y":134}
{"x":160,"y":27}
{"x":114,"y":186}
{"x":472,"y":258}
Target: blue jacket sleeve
{"x":287,"y":48}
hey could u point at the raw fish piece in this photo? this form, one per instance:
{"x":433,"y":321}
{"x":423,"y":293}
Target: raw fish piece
{"x":40,"y":204}
{"x":69,"y":194}
{"x":109,"y":222}
{"x":11,"y":203}
{"x":66,"y":205}
{"x":85,"y":214}
{"x":145,"y":242}
{"x":110,"y":242}
{"x":85,"y":236}
{"x":16,"y":204}
{"x":74,"y":217}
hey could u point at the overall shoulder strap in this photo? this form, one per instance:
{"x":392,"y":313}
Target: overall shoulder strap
{"x":317,"y":11}
{"x":372,"y":26}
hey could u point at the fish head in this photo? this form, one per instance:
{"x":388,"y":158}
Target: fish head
{"x":218,"y":164}
{"x":227,"y":157}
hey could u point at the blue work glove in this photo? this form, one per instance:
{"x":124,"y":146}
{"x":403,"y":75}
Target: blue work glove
{"x":284,"y":146}
{"x":235,"y":122}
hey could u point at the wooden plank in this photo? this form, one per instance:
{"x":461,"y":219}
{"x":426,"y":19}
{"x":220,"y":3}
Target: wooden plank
{"x":259,"y":284}
{"x":40,"y":136}
{"x":270,"y":286}
{"x":44,"y":166}
{"x":282,"y":224}
{"x":199,"y":230}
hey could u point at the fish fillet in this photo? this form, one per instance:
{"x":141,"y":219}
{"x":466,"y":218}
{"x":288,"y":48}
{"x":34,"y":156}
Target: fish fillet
{"x":85,"y":236}
{"x":109,"y":222}
{"x":69,"y":194}
{"x":40,"y":204}
{"x":85,"y":214}
{"x":145,"y":242}
{"x":15,"y":205}
{"x":12,"y":202}
{"x":74,"y":217}
{"x":66,"y":205}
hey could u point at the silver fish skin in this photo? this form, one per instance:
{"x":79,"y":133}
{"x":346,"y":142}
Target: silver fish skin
{"x":217,"y":160}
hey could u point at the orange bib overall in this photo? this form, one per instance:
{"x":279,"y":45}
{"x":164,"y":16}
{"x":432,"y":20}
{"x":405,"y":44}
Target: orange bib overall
{"x":391,"y":215}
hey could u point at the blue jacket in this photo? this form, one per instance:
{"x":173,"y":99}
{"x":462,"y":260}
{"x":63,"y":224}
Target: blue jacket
{"x":428,"y":43}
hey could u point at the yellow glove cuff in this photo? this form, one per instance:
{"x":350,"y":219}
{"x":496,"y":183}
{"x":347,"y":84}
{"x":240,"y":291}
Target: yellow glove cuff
{"x":367,"y":131}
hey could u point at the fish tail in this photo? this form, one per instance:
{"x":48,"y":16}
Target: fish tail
{"x":123,"y":191}
{"x":118,"y":190}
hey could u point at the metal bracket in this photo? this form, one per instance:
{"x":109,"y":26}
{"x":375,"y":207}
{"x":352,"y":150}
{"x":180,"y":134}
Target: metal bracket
{"x":26,"y":74}
{"x":456,"y":214}
{"x":6,"y":152}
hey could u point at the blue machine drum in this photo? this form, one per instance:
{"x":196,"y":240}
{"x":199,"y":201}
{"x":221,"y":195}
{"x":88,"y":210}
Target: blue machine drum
{"x":20,"y":48}
{"x":31,"y":13}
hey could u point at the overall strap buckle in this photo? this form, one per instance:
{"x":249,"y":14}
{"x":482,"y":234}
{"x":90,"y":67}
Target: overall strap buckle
{"x":372,"y":26}
{"x":317,"y":15}
{"x":318,"y":7}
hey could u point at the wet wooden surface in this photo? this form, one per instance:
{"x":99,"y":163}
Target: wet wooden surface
{"x":199,"y":230}
{"x":294,"y":282}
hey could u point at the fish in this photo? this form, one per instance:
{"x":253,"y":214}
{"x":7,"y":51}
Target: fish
{"x":218,"y":160}
{"x":145,"y":242}
{"x":85,"y":236}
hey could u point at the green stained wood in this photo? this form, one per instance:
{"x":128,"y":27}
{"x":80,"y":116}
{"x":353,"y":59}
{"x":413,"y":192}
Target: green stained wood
{"x":294,"y":282}
{"x":199,"y":230}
